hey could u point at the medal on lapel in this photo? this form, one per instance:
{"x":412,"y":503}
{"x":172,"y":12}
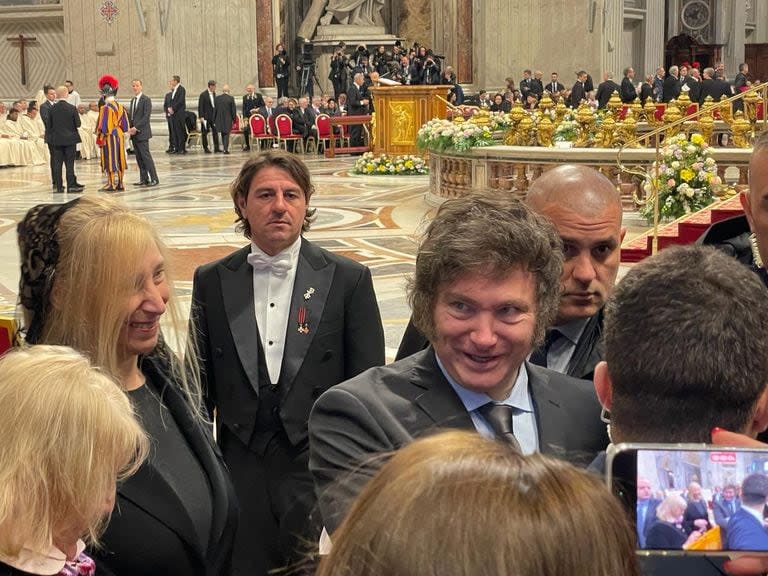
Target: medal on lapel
{"x":303,"y":324}
{"x":308,"y":293}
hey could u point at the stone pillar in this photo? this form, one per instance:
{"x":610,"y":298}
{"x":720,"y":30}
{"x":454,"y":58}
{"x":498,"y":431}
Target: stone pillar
{"x":761,"y":22}
{"x":265,"y":45}
{"x":730,"y":18}
{"x":655,"y":38}
{"x":464,"y":52}
{"x":611,"y":22}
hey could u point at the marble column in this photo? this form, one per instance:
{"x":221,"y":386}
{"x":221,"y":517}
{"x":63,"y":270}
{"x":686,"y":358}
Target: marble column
{"x":612,"y":23}
{"x":265,"y":43}
{"x":761,"y":22}
{"x":464,"y":34}
{"x":655,"y":38}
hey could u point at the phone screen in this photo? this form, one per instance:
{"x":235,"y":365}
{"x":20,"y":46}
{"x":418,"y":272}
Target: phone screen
{"x":695,"y":500}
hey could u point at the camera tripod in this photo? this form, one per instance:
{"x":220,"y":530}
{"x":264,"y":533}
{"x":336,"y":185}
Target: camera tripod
{"x":307,"y":77}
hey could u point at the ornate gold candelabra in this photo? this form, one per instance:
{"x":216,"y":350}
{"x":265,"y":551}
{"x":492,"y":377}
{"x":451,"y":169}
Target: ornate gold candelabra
{"x":671,"y":115}
{"x":650,"y":112}
{"x":585,"y":116}
{"x":628,"y":130}
{"x":545,"y":131}
{"x":614,"y":103}
{"x":740,"y":128}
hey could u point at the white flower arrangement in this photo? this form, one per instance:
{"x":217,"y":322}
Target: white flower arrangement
{"x":385,"y":165}
{"x":685,"y":179}
{"x":439,"y":135}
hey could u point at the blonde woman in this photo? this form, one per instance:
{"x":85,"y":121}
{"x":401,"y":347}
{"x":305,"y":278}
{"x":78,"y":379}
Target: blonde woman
{"x":96,"y":277}
{"x":68,"y":435}
{"x":668,"y":532}
{"x":457,"y":504}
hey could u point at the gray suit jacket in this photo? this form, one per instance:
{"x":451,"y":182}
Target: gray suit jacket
{"x":387,"y":407}
{"x":140,"y":119}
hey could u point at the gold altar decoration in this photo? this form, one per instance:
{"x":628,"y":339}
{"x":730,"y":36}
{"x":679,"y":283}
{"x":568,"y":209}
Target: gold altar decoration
{"x":546,"y":104}
{"x":614,"y":103}
{"x":637,"y":109}
{"x":671,"y":115}
{"x":400,"y":111}
{"x":544,"y":132}
{"x":706,"y":123}
{"x":605,"y":133}
{"x":560,"y":111}
{"x":650,"y":112}
{"x":726,"y":112}
{"x":740,"y":127}
{"x":586,"y":118}
{"x":751,"y":101}
{"x":524,"y":132}
{"x":628,"y":130}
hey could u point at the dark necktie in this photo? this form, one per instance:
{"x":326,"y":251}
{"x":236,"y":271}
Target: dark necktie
{"x":539,"y":356}
{"x":499,"y":416}
{"x":133,"y":106}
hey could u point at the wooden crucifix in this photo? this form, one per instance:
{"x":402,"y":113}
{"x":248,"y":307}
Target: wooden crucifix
{"x":23,"y":41}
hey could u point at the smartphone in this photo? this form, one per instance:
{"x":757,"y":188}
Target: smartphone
{"x":693,"y":498}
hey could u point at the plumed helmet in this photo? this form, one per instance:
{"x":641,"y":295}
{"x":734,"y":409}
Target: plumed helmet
{"x":108,"y":85}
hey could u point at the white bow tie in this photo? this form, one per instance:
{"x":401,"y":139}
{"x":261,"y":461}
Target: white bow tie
{"x":279,"y":265}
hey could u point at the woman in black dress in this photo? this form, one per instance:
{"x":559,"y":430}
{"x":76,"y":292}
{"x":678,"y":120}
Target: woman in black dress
{"x":95,"y":276}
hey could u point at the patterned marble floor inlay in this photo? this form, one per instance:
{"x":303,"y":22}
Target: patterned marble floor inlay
{"x":371,"y":219}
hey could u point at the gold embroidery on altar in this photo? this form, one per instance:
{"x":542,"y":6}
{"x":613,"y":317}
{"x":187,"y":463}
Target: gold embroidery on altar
{"x":404,"y":128}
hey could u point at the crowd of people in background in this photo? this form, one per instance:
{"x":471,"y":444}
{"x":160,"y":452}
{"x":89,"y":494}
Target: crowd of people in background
{"x":662,"y":87}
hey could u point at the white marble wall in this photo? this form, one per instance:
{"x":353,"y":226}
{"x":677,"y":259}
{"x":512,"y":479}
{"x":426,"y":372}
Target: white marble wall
{"x":550,"y":35}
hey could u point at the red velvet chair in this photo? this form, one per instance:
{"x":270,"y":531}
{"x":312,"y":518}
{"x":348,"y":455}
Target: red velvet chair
{"x":284,"y":133}
{"x":260,"y":130}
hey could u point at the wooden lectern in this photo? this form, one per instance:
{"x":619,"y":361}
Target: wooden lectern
{"x":401,"y":111}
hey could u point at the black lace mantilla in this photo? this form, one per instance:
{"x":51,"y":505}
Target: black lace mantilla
{"x":39,"y":251}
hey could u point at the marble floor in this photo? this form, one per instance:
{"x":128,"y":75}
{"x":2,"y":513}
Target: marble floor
{"x":374,"y":219}
{"x":369,"y":219}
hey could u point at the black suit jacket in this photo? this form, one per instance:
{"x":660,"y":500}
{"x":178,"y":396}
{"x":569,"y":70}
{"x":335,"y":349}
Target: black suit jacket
{"x":150,"y":532}
{"x":715,"y":88}
{"x":646,"y":91}
{"x":355,"y":107}
{"x":604,"y":92}
{"x":589,"y":349}
{"x":345,"y":338}
{"x":179,"y":100}
{"x":628,"y":91}
{"x":63,"y":122}
{"x":45,"y":113}
{"x":577,"y":94}
{"x":670,"y":89}
{"x":558,"y":87}
{"x":251,"y":103}
{"x":386,"y":408}
{"x":140,"y":119}
{"x":225,"y":114}
{"x":694,"y":88}
{"x":205,"y":109}
{"x":694,"y":511}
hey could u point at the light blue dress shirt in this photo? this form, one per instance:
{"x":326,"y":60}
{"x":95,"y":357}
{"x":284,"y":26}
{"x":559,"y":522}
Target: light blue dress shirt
{"x":523,"y":418}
